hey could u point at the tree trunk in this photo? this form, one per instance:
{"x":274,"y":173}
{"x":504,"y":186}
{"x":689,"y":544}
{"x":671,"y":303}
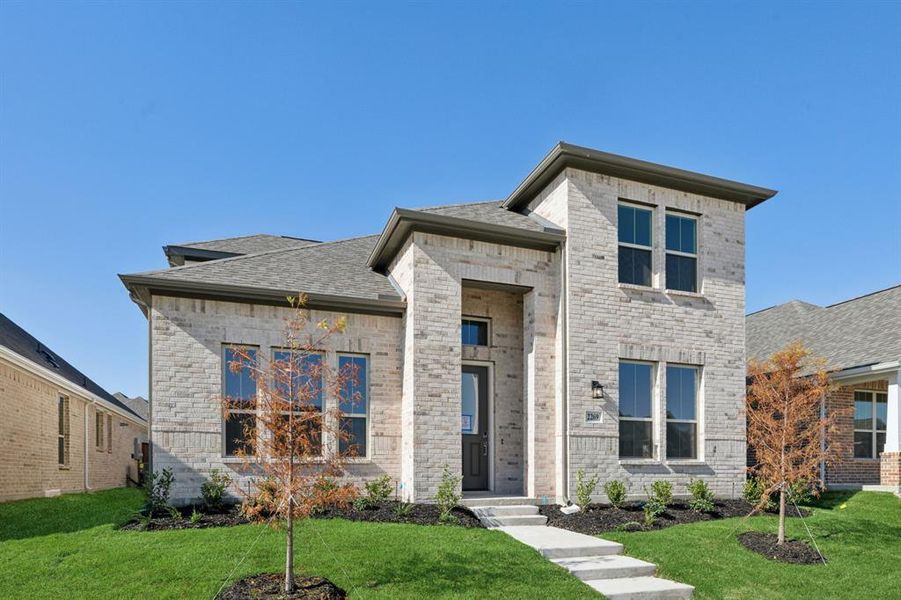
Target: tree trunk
{"x":289,"y":546}
{"x":780,"y":539}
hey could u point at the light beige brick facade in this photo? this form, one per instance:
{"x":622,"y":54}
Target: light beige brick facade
{"x":29,"y":463}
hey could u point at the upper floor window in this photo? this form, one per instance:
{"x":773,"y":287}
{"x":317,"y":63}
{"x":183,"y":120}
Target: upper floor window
{"x":475,"y":332}
{"x":299,"y":378}
{"x":635,"y":240}
{"x":636,"y":421}
{"x":681,"y":252}
{"x":353,"y":404}
{"x":870,"y":418}
{"x":240,"y":390}
{"x":681,"y":412}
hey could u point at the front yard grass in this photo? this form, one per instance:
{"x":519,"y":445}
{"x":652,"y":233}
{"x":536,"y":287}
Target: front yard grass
{"x":859,"y":533}
{"x":68,"y":547}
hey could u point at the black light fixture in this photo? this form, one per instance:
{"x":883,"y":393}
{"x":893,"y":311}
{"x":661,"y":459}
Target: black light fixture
{"x":597,"y":390}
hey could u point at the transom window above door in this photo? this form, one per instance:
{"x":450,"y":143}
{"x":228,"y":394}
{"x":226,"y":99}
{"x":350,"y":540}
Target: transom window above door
{"x":474,"y":331}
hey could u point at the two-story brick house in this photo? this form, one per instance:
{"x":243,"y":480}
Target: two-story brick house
{"x":593,"y":320}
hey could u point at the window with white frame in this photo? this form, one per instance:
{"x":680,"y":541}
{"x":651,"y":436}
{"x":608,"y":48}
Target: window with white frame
{"x":681,"y":252}
{"x":63,"y":430}
{"x":681,"y":412}
{"x":870,"y":419}
{"x":240,"y":391}
{"x":636,"y":406}
{"x":353,"y":404}
{"x":300,"y":379}
{"x":635,"y":235}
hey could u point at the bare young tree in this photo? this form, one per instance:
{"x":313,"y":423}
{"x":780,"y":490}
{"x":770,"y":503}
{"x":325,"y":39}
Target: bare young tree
{"x":292,"y":441}
{"x":786,"y":427}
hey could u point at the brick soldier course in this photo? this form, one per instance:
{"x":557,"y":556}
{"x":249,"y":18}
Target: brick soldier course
{"x":541,"y":267}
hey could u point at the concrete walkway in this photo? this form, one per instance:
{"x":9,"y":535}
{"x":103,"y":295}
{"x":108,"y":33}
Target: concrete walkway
{"x":599,"y":563}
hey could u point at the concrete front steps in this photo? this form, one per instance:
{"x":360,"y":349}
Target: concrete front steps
{"x":599,"y":563}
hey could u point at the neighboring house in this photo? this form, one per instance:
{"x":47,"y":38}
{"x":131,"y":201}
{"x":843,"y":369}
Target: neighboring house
{"x":138,"y":404}
{"x":593,"y":320}
{"x":860,"y":339}
{"x":60,"y":431}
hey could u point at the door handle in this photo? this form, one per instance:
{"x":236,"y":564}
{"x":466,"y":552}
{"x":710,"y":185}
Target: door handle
{"x":484,"y":448}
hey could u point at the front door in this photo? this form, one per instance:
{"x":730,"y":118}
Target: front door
{"x":474,"y":421}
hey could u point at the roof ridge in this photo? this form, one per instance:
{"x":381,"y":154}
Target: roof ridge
{"x":233,"y":237}
{"x":499,"y":202}
{"x":786,"y":303}
{"x":255,"y":254}
{"x":862,"y":296}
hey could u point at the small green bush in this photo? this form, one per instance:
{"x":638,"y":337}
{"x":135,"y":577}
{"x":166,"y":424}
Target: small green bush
{"x":196,"y":515}
{"x":585,"y":489}
{"x":701,"y":497}
{"x":213,"y":489}
{"x":802,"y":492}
{"x":363,"y":503}
{"x":402,"y":510}
{"x":158,"y":485}
{"x":752,"y":493}
{"x":379,"y":490}
{"x":653,"y":508}
{"x":616,"y":492}
{"x":662,"y":492}
{"x":447,"y":496}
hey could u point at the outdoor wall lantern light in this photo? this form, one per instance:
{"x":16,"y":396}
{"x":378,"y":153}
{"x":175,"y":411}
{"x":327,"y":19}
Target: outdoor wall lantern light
{"x":597,"y":390}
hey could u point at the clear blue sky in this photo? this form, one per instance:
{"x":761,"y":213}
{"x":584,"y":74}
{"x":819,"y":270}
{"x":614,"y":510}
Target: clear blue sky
{"x":126,"y":126}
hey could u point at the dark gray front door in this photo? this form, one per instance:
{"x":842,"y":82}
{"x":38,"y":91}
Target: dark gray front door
{"x":474,"y":422}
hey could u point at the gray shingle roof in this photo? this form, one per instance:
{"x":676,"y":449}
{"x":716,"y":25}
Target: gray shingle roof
{"x":27,"y":346}
{"x":330,"y":268}
{"x":491,"y":211}
{"x":858,"y":332}
{"x":250,"y":244}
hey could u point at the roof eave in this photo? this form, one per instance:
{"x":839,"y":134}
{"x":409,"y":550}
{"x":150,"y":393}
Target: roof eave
{"x":143,"y":288}
{"x":404,"y":221}
{"x":565,"y":155}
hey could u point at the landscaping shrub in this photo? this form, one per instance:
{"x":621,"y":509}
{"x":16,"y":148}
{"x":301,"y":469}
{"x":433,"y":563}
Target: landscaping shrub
{"x":616,"y":492}
{"x":196,"y":515}
{"x":802,"y":492}
{"x":379,"y":490}
{"x":752,"y":492}
{"x":585,"y":489}
{"x":403,"y":509}
{"x":213,"y":489}
{"x":447,"y":497}
{"x":158,"y":485}
{"x":701,"y":497}
{"x":653,"y":508}
{"x":264,"y":503}
{"x":662,"y":492}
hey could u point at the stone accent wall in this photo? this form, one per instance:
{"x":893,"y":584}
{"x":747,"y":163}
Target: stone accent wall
{"x":29,"y":464}
{"x":848,"y":470}
{"x":504,"y":352}
{"x":609,"y":321}
{"x":188,"y":336}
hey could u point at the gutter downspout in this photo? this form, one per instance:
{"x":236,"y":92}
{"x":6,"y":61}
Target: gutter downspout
{"x":149,"y":465}
{"x":87,"y":481}
{"x":564,"y":276}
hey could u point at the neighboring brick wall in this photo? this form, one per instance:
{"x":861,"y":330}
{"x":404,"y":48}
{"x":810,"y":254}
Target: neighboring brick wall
{"x":890,"y":469}
{"x":187,"y":341}
{"x":848,"y":470}
{"x":28,"y":433}
{"x":608,"y":322}
{"x":505,"y":309}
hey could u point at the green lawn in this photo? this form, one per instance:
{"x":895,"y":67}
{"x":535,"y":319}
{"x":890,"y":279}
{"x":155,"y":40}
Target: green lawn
{"x":859,"y":533}
{"x":67,"y":547}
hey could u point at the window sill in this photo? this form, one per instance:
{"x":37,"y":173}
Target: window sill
{"x":638,"y":288}
{"x":684,"y":294}
{"x":639,"y":462}
{"x":687,"y":462}
{"x":64,"y":468}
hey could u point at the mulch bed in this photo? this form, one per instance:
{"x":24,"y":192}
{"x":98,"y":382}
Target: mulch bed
{"x":385,"y":512}
{"x":792,"y":551}
{"x":269,"y":585}
{"x":603,"y":517}
{"x":228,"y":516}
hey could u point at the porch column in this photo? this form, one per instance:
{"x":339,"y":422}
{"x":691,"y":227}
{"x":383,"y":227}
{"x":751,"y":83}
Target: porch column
{"x":890,"y":460}
{"x":541,"y":430}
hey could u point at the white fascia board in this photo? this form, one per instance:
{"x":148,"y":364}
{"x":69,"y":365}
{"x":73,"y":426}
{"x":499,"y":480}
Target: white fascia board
{"x":857,"y":374}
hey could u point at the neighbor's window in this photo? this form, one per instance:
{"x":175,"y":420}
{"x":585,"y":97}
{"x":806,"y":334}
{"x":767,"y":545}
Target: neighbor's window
{"x":681,"y":412}
{"x":240,"y":391}
{"x":353,"y":404}
{"x":636,"y":422}
{"x":870,"y":418}
{"x":475,"y":332}
{"x":98,"y":430}
{"x":63,"y":431}
{"x":109,"y":433}
{"x":681,"y":253}
{"x":304,"y":389}
{"x":634,"y":227}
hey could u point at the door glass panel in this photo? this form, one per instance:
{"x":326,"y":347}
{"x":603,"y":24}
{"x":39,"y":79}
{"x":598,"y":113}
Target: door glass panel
{"x":469,"y":403}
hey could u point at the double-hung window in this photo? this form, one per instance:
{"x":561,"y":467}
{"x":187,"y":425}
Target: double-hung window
{"x":299,"y":380}
{"x":240,"y":391}
{"x":635,"y":243}
{"x":98,"y":430}
{"x":636,"y":422}
{"x":353,"y":404}
{"x":62,"y":439}
{"x":681,"y":252}
{"x":681,"y":412}
{"x":870,"y":418}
